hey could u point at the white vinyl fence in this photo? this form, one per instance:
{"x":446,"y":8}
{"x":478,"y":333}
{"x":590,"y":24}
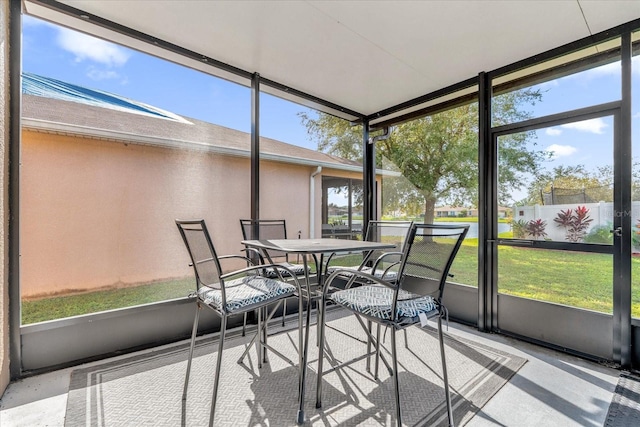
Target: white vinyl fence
{"x":601,"y":213}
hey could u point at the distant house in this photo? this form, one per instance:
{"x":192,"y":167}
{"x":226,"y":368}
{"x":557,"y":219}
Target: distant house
{"x":504,"y":212}
{"x":104,"y":177}
{"x":456,"y":211}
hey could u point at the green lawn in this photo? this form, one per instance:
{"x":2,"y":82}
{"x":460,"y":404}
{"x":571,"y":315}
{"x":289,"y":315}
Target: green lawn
{"x":58,"y":307}
{"x":572,"y":278}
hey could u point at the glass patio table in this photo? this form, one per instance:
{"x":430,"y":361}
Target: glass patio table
{"x":315,"y":248}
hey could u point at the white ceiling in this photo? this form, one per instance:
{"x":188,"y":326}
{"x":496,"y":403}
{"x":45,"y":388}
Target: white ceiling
{"x":362,"y":55}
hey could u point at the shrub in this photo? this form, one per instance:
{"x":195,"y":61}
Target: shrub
{"x":600,"y":234}
{"x":519,"y":227}
{"x":536,"y":228}
{"x":575,"y":223}
{"x":564,"y":218}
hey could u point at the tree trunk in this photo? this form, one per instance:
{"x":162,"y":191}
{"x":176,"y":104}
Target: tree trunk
{"x":429,"y":210}
{"x":429,"y":214}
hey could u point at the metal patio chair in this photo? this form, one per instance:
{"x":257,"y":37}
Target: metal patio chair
{"x":414,"y":297}
{"x":381,"y":264}
{"x":265,"y":229}
{"x":231,"y":293}
{"x":256,"y":229}
{"x":327,"y":231}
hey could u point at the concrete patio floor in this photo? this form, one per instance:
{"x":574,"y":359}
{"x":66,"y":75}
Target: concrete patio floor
{"x":551,"y":389}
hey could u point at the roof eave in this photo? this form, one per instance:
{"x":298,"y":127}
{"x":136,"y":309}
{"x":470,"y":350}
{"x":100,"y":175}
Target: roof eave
{"x":132,"y":138}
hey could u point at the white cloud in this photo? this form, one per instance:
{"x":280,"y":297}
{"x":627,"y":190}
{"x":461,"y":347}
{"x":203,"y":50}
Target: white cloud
{"x":97,"y":74}
{"x":85,"y":47}
{"x":591,"y":125}
{"x":560,"y":150}
{"x":553,"y":131}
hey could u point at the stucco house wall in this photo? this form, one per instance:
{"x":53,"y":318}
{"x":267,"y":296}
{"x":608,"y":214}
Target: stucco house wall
{"x":101,"y":213}
{"x":284,"y":193}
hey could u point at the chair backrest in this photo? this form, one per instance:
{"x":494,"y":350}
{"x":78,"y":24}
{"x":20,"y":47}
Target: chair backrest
{"x":203,"y":255}
{"x":327,"y":230}
{"x":395,"y":232}
{"x":265,"y":229}
{"x":429,"y":253}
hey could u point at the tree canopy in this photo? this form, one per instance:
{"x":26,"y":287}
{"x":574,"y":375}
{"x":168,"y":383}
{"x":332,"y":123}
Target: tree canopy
{"x":437,"y":155}
{"x":564,"y":182}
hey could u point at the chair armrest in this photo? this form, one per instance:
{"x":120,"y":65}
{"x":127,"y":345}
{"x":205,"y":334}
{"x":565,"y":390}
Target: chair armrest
{"x":329,"y":258}
{"x":353,"y":275}
{"x":382,"y":257}
{"x":253,"y":253}
{"x":326,"y":264}
{"x":366,"y":257}
{"x":233,"y":256}
{"x":262,"y":267}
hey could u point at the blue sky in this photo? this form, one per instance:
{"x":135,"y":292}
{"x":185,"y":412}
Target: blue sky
{"x":70,"y":56}
{"x":57,"y":52}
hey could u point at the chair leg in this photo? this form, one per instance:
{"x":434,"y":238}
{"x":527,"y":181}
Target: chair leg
{"x":284,"y":311}
{"x":317,"y":322}
{"x":300,"y":337}
{"x":396,"y":381}
{"x":303,"y":369}
{"x":319,"y":314}
{"x":244,"y":325}
{"x":265,"y":334}
{"x":194,"y":332}
{"x":368,"y":366}
{"x":445,"y":377}
{"x":301,"y":359}
{"x":223,"y":328}
{"x":406,"y":340}
{"x":259,"y":342}
{"x":321,"y":331}
{"x":377,"y":351}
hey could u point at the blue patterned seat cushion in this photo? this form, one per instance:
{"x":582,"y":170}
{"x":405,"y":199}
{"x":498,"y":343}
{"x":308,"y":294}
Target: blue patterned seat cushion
{"x":389,"y":276}
{"x":246,"y":292}
{"x":375,"y":301}
{"x":297,"y":269}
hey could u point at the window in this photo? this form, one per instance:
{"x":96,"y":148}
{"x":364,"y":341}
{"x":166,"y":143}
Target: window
{"x":342,"y":207}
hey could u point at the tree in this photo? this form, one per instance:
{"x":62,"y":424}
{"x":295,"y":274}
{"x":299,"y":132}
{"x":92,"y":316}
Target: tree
{"x":334,"y":135}
{"x":597,"y":184}
{"x":399,"y":196}
{"x":438,"y":154}
{"x":563,"y":180}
